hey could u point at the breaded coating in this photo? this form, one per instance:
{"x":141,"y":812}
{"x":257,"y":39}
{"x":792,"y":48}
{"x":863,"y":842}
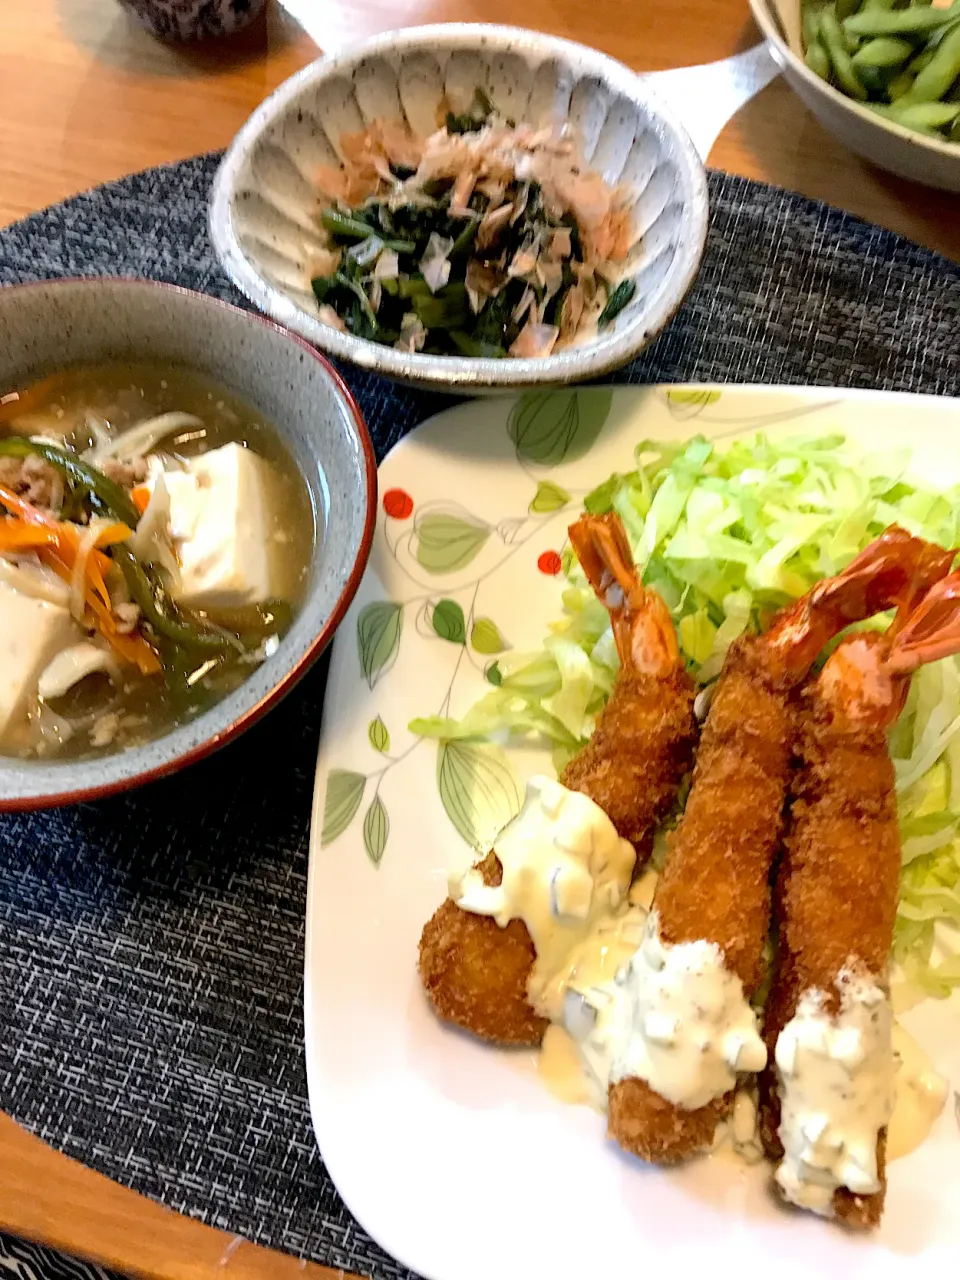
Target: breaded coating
{"x":654,"y":1129}
{"x":716,"y":881}
{"x":475,"y":973}
{"x":836,"y":894}
{"x":638,"y":755}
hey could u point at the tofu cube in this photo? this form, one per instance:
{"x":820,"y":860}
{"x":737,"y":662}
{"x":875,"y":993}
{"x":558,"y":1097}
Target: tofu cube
{"x":223,"y":512}
{"x":31,"y":632}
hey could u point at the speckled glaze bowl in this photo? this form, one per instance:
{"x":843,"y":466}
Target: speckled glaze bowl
{"x":263,"y":208}
{"x":44,"y":327}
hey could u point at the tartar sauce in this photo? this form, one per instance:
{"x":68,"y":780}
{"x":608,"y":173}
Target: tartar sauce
{"x":566,"y":874}
{"x":836,"y":1076}
{"x":673,"y":1016}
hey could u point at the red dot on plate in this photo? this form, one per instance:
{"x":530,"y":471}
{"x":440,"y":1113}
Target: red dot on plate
{"x":398,"y":504}
{"x":549,"y":563}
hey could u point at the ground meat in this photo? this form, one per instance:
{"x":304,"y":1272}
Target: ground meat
{"x":126,"y":473}
{"x":33,"y":479}
{"x":127,"y":615}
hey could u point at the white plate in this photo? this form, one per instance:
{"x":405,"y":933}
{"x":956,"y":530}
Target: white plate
{"x":454,"y":1156}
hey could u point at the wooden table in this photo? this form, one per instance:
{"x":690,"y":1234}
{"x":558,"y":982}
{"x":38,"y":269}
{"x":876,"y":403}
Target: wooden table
{"x":86,"y":96}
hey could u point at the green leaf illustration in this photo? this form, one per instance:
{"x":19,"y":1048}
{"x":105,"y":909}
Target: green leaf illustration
{"x":550,"y":427}
{"x":549,"y":497}
{"x":485,"y":637}
{"x":379,"y":627}
{"x":478,"y":790}
{"x":447,"y":542}
{"x":341,"y":802}
{"x":376,"y":828}
{"x":379,"y":735}
{"x":448,"y":621}
{"x":494,"y":675}
{"x":693,"y":396}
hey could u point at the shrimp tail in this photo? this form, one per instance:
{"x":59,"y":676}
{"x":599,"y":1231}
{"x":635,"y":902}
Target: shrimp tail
{"x":643,"y":630}
{"x":931,"y":631}
{"x":894,"y":569}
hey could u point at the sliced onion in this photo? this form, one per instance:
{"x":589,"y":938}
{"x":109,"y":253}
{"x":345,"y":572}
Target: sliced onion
{"x":73,"y":664}
{"x":28,"y":576}
{"x":151,"y":542}
{"x":85,"y":546}
{"x":138,"y":440}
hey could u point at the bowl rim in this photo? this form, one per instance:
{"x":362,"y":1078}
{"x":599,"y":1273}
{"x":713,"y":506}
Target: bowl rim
{"x":782,"y":52}
{"x":41,"y":800}
{"x":464,"y":372}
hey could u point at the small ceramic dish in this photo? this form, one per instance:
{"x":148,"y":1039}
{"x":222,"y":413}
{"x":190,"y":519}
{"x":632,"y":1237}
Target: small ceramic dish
{"x":264,"y":208}
{"x":49,"y":326}
{"x":884,"y":143}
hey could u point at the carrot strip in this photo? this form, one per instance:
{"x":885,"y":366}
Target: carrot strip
{"x":17,"y":536}
{"x":57,"y":545}
{"x":27,"y":511}
{"x":140,"y":497}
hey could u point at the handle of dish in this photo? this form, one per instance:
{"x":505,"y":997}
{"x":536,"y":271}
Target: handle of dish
{"x":706,"y":97}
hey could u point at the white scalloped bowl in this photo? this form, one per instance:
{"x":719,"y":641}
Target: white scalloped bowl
{"x":263,"y":210}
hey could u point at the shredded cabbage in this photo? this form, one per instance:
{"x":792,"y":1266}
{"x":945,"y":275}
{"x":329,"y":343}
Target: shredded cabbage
{"x":726,"y":537}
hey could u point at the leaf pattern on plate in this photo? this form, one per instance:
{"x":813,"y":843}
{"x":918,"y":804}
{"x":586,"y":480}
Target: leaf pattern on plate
{"x":448,"y":621}
{"x":341,"y":802}
{"x":688,"y":402}
{"x":550,"y":427}
{"x":549,"y":497}
{"x":376,"y":829}
{"x":448,"y":542}
{"x":379,"y":735}
{"x":478,"y":790}
{"x":379,"y":628}
{"x":486,"y":637}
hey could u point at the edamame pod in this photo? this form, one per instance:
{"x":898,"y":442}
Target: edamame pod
{"x":900,"y":22}
{"x":884,"y":51}
{"x":817,"y":60}
{"x":900,"y":85}
{"x":831,"y":34}
{"x":940,"y":73}
{"x":924,"y":115}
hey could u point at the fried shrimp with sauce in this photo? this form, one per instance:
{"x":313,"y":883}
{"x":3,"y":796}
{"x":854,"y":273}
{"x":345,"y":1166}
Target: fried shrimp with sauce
{"x":715,"y":891}
{"x":827,"y":1092}
{"x":490,"y":955}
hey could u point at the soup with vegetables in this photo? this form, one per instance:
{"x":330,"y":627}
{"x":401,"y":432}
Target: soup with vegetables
{"x":155,"y":539}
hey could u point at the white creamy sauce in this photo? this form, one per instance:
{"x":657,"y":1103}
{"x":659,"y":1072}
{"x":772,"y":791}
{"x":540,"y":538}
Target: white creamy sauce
{"x":836,"y":1077}
{"x":920,"y":1094}
{"x":674,"y":1016}
{"x":565,"y":872}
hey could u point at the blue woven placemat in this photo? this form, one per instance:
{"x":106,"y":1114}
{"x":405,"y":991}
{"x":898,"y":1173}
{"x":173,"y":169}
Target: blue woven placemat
{"x":151,"y":947}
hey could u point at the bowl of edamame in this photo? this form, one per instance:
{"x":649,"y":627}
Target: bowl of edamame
{"x":883,"y":75}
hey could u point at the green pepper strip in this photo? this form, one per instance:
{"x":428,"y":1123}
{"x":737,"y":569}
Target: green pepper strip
{"x":110,"y":498}
{"x":160,"y":611}
{"x":107,"y":492}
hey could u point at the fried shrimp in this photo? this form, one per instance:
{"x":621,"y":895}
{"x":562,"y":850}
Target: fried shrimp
{"x":828,"y":1016}
{"x":475,"y":968}
{"x":715,"y":886}
{"x":643,"y":744}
